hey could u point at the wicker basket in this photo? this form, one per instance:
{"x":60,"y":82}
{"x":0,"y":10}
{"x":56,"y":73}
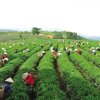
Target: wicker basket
{"x":36,"y":77}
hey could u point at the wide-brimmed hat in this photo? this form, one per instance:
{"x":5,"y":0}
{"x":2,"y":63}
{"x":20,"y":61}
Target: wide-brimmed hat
{"x":52,"y":51}
{"x":24,"y":75}
{"x":43,"y":51}
{"x":9,"y":80}
{"x":5,"y":52}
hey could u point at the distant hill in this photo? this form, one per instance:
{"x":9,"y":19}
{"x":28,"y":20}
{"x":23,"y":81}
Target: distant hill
{"x":7,"y":30}
{"x":94,"y":37}
{"x":91,"y":37}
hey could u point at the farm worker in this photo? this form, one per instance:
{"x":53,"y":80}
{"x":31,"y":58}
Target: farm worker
{"x":7,"y":87}
{"x":98,"y":48}
{"x":79,"y":51}
{"x":78,"y":44}
{"x":54,"y":53}
{"x":29,"y":80}
{"x":42,"y":53}
{"x":94,"y":52}
{"x":83,"y":43}
{"x":4,"y":57}
{"x":27,"y":50}
{"x":68,"y":51}
{"x":92,"y":48}
{"x":59,"y":54}
{"x":52,"y":49}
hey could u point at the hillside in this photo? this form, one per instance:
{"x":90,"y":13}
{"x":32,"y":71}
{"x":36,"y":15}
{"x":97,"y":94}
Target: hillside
{"x":48,"y":34}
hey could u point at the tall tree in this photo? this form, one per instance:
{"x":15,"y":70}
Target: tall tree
{"x":35,"y":30}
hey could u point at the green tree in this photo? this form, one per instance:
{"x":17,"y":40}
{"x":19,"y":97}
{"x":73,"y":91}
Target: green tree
{"x":35,"y":30}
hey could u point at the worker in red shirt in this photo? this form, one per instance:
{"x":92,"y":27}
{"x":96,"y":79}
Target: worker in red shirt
{"x":29,"y":80}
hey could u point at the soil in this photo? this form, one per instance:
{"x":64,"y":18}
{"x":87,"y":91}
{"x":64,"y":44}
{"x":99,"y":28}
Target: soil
{"x":62,"y":83}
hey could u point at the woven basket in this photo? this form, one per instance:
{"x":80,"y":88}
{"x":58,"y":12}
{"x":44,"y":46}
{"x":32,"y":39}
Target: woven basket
{"x":36,"y":77}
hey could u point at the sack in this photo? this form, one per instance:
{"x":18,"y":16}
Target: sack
{"x":1,"y":93}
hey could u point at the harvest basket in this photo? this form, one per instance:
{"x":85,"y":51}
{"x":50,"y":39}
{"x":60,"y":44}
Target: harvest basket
{"x":36,"y":77}
{"x":1,"y":93}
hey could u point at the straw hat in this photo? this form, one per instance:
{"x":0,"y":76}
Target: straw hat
{"x":52,"y":51}
{"x":24,"y":75}
{"x":75,"y":49}
{"x":5,"y":52}
{"x":43,"y":51}
{"x":9,"y":80}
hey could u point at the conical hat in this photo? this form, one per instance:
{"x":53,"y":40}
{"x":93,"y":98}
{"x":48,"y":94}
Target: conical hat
{"x":9,"y":80}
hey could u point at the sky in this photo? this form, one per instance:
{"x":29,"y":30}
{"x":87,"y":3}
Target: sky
{"x":81,"y":16}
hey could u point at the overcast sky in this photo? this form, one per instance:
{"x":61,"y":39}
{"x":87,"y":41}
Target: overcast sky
{"x":81,"y":16}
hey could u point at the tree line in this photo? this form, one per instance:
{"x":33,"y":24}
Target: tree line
{"x":56,"y":34}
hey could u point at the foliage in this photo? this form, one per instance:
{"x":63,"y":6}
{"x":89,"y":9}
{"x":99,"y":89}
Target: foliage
{"x":35,"y":30}
{"x":80,"y":72}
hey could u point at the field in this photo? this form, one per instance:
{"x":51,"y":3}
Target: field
{"x":7,"y":37}
{"x":74,"y":77}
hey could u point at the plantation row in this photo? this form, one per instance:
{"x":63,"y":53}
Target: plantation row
{"x":80,"y":73}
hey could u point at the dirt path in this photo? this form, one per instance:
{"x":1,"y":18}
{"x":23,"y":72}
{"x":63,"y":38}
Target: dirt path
{"x":62,"y":83}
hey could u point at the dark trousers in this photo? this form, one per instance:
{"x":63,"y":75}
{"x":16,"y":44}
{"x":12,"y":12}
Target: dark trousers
{"x":31,"y":93}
